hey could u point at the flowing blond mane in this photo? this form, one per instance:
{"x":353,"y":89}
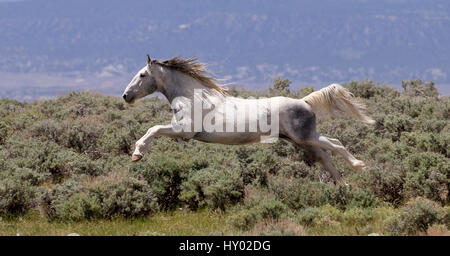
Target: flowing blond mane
{"x":195,"y":69}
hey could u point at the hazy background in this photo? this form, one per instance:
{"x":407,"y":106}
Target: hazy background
{"x":50,"y":47}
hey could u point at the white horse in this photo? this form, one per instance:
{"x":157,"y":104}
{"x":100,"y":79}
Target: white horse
{"x":294,"y":119}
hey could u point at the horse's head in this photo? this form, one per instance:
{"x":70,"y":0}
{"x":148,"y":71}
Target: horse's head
{"x":142,"y":84}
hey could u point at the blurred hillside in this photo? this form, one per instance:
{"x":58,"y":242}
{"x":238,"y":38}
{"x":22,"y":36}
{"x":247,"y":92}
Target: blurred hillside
{"x":50,"y":47}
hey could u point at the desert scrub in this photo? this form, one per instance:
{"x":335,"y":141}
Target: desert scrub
{"x":164,"y":175}
{"x":51,"y":160}
{"x":444,"y":216}
{"x":267,"y":210}
{"x":367,"y":89}
{"x":256,"y":165}
{"x":119,"y":137}
{"x":428,"y":142}
{"x":23,"y":175}
{"x":4,"y":130}
{"x":125,"y":197}
{"x":128,"y":197}
{"x":386,"y":184}
{"x":50,"y":201}
{"x":416,"y":216}
{"x":212,"y":187}
{"x":300,"y":193}
{"x":16,"y":196}
{"x":279,"y":227}
{"x":328,"y":220}
{"x":419,"y":88}
{"x":74,"y":153}
{"x":428,"y":176}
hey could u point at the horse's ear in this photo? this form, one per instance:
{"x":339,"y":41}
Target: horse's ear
{"x":149,"y":61}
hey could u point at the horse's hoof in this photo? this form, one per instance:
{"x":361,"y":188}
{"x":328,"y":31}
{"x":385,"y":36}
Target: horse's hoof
{"x":359,"y":165}
{"x":136,"y":158}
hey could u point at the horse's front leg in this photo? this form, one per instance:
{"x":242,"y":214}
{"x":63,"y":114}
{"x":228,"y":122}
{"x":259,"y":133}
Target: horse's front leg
{"x":157,"y":130}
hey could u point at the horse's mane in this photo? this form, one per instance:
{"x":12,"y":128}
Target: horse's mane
{"x":195,"y":69}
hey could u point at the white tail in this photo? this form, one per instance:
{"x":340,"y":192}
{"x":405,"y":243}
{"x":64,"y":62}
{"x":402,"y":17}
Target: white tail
{"x":334,"y":99}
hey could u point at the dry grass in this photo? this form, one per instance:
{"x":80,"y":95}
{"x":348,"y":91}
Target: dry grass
{"x":437,"y":230}
{"x":278,"y":227}
{"x":179,"y":222}
{"x":109,"y":178}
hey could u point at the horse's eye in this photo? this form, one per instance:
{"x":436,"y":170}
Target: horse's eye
{"x":142,"y":75}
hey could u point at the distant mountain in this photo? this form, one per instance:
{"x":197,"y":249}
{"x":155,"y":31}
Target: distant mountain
{"x":248,"y":42}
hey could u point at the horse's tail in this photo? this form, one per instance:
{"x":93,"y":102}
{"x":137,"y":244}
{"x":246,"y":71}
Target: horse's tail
{"x":334,"y":99}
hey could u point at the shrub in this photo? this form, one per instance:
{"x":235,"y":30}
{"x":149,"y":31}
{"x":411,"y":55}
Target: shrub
{"x":296,"y":193}
{"x":282,"y":227}
{"x":428,"y":176}
{"x":125,"y":197}
{"x":384,"y":152}
{"x":51,"y":200}
{"x":243,"y":220}
{"x":300,"y":170}
{"x":80,"y":135}
{"x":75,"y":105}
{"x":427,"y":142}
{"x":23,"y":175}
{"x":255,"y":166}
{"x":270,"y":209}
{"x":282,"y":148}
{"x":280,"y":87}
{"x":49,"y":129}
{"x":119,"y":136}
{"x":80,"y":206}
{"x":429,"y":124}
{"x":164,"y":176}
{"x":396,"y":124}
{"x":444,"y":216}
{"x":3,"y":132}
{"x":65,"y":163}
{"x":326,"y":216}
{"x":299,"y":194}
{"x":308,"y":215}
{"x":416,"y":216}
{"x":419,"y":88}
{"x":367,"y":89}
{"x":362,"y":198}
{"x":339,"y":196}
{"x":386,"y":184}
{"x":356,"y":216}
{"x":128,"y":197}
{"x":83,"y":136}
{"x":16,"y":197}
{"x":8,"y":107}
{"x":212,"y":187}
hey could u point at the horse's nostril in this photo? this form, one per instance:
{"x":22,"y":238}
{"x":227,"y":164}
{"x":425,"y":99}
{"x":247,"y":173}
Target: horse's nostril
{"x":124,"y":97}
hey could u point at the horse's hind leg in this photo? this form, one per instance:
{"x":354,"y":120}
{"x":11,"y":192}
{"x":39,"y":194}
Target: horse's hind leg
{"x":326,"y":161}
{"x":335,"y":141}
{"x":326,"y":143}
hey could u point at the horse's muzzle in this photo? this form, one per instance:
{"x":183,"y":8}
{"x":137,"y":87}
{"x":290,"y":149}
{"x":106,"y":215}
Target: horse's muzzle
{"x":127,"y":98}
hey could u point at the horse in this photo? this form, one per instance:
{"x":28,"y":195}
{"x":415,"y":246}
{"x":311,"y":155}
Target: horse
{"x":181,"y":79}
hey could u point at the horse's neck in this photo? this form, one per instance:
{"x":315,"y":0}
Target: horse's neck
{"x":177,"y":84}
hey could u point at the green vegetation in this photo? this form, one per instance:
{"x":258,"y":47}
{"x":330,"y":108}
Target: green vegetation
{"x":65,"y":167}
